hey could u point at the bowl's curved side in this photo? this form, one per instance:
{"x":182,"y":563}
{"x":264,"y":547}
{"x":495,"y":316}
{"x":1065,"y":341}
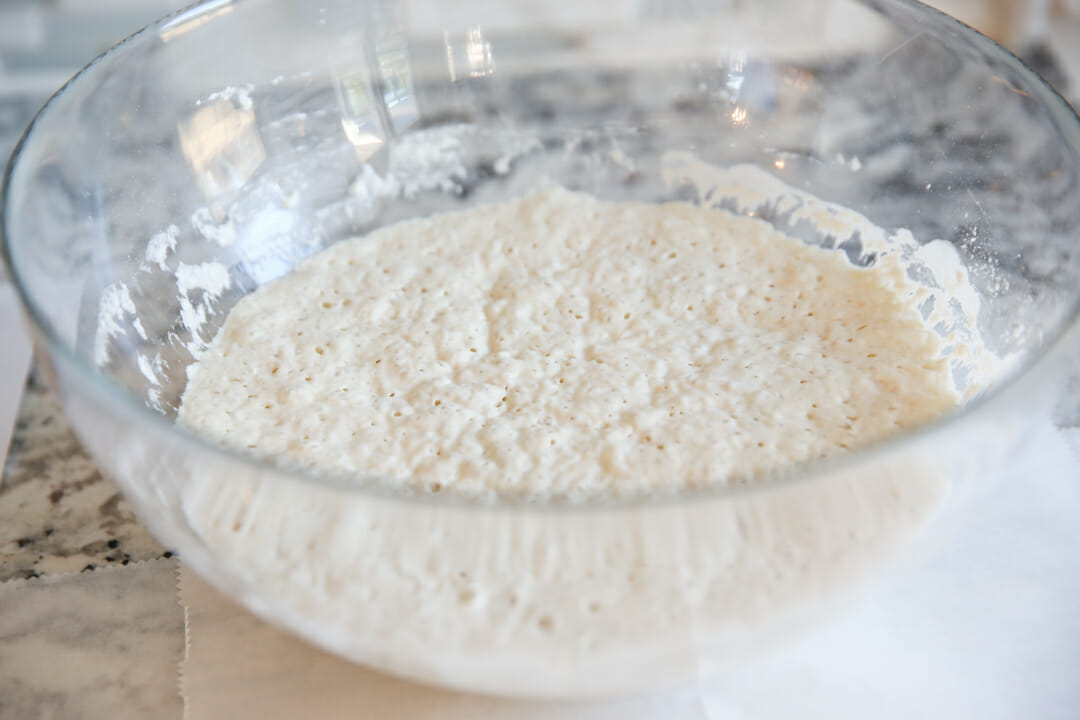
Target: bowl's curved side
{"x":161,"y":157}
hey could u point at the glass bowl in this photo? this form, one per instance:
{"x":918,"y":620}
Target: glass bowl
{"x":211,"y":152}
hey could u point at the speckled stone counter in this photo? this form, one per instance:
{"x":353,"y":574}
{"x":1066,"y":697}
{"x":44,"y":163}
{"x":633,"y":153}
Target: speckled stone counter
{"x":58,"y":514}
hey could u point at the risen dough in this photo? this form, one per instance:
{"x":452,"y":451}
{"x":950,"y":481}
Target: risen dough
{"x":557,"y":346}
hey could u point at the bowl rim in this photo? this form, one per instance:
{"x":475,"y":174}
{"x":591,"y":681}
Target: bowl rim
{"x":119,"y":400}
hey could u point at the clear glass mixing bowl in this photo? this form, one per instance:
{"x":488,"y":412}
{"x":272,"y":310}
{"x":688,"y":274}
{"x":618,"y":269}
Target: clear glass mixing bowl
{"x":210,"y":153}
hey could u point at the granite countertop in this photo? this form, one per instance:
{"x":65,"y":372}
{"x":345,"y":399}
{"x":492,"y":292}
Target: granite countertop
{"x":58,"y":514}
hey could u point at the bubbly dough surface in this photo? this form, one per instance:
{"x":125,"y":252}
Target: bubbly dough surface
{"x":558,"y":346}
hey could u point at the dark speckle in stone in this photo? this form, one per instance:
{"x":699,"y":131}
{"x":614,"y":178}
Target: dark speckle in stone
{"x":94,"y":548}
{"x":1043,"y":60}
{"x":111,"y":507}
{"x":544,"y":111}
{"x":167,"y":554}
{"x":586,"y":145}
{"x":114,"y":543}
{"x":444,"y":118}
{"x":53,"y":493}
{"x":88,"y":568}
{"x":692,"y":104}
{"x":31,"y":574}
{"x":24,"y":541}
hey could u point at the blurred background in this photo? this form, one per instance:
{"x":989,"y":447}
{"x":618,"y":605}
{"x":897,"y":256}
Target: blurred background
{"x":42,"y":42}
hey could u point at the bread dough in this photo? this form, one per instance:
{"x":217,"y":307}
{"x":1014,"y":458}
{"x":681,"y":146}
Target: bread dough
{"x":558,"y":347}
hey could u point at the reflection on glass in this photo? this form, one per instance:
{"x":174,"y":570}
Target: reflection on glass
{"x":478,"y":53}
{"x":735,"y":68}
{"x":751,"y":83}
{"x":195,"y":18}
{"x":359,"y":118}
{"x":222,"y":145}
{"x":374,"y":79}
{"x":449,"y":55}
{"x":396,"y":81}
